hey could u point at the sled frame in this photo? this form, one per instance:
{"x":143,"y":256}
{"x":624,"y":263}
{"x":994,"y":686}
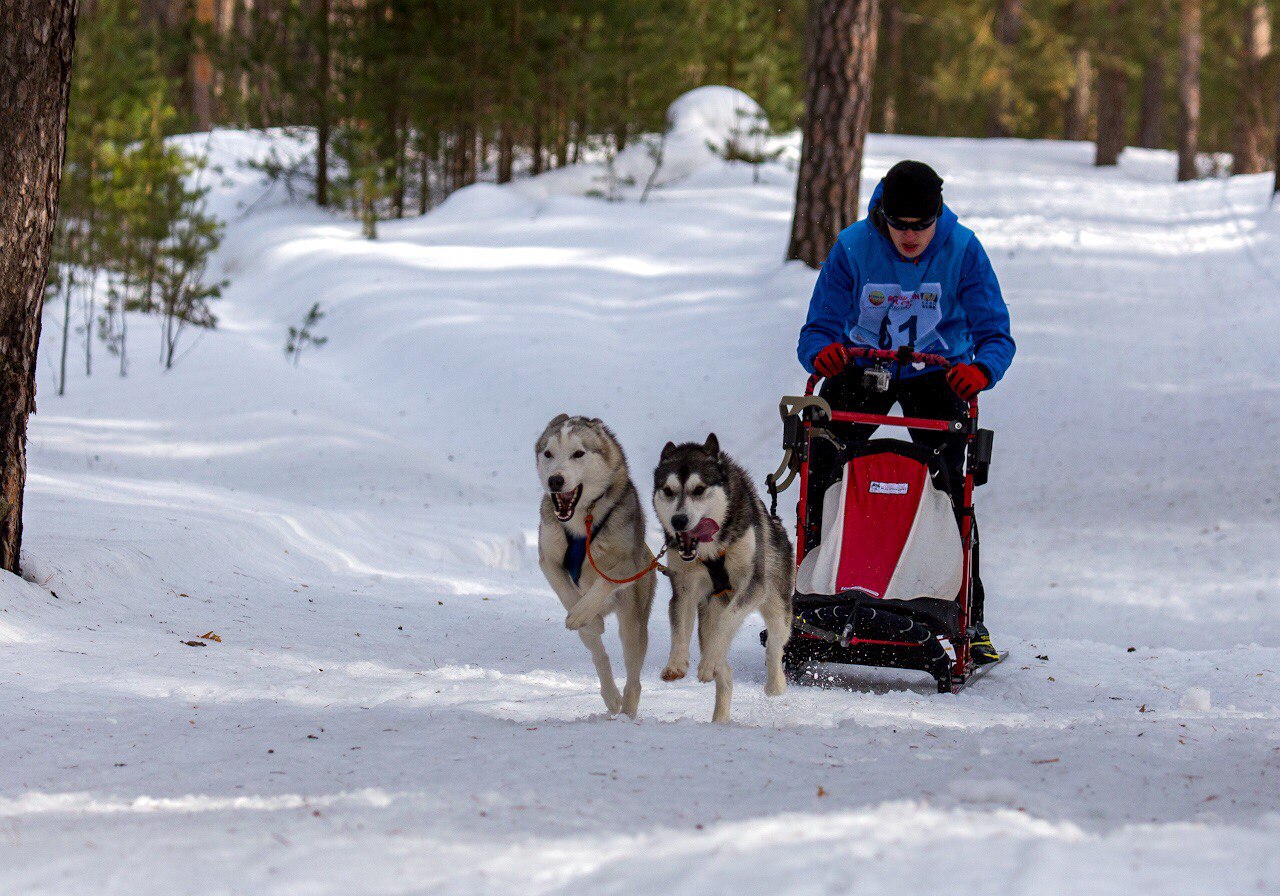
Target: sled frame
{"x":811,"y":411}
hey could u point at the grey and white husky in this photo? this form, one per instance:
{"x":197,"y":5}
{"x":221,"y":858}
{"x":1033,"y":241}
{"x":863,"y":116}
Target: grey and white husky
{"x":584,"y":471}
{"x":726,"y":557}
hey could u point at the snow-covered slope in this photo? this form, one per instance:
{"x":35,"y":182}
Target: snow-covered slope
{"x":395,"y":706}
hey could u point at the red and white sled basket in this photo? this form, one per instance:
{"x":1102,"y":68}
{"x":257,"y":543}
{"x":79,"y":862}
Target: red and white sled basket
{"x":888,"y":531}
{"x":883,"y":555}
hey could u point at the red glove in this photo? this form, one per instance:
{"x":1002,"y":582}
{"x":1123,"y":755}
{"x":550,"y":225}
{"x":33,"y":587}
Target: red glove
{"x":967,"y":380}
{"x":832,"y":360}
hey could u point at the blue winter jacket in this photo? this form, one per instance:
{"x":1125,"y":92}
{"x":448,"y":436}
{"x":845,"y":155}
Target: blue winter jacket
{"x":947,"y":301}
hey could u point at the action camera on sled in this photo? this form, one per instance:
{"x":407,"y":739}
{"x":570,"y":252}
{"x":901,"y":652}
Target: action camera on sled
{"x":876,"y":378}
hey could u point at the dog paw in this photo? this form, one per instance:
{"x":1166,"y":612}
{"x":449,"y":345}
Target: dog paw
{"x":706,"y":671}
{"x":612,"y":700}
{"x":674,"y":672}
{"x":776,"y":688}
{"x":577,"y":619}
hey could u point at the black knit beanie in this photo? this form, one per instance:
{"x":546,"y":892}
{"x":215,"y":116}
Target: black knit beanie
{"x":911,"y":190}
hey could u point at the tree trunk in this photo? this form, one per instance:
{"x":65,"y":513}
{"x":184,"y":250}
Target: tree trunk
{"x":464,"y":157}
{"x":66,"y":328}
{"x":37,"y":38}
{"x":506,"y":153}
{"x":893,"y":28}
{"x":202,"y":68}
{"x":562,"y":134}
{"x":1080,"y":100}
{"x":1190,"y":42}
{"x":169,"y":20}
{"x":536,"y":144}
{"x":1275,"y":187}
{"x":1113,"y":92}
{"x":841,"y":62}
{"x":514,"y":102}
{"x":424,"y":178}
{"x":1151,"y":115}
{"x":1075,"y":120}
{"x":322,"y":99}
{"x":1008,"y":30}
{"x":124,"y":338}
{"x":1250,"y":118}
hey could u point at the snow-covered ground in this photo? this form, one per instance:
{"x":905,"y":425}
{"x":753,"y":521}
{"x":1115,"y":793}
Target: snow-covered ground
{"x":395,"y":705}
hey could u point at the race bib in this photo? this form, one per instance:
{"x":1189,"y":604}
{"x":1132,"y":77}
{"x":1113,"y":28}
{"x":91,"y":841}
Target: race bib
{"x":890,"y":317}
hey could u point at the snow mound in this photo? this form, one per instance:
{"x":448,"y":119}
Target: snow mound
{"x":1196,"y":700}
{"x":479,"y":202}
{"x":715,"y":113}
{"x":700,"y":124}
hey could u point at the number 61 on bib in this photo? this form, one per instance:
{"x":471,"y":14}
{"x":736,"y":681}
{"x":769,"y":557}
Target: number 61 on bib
{"x":890,"y":317}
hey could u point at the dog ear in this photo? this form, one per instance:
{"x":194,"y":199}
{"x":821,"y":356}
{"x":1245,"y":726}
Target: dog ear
{"x":666,"y":450}
{"x":560,"y":420}
{"x":712,"y":445}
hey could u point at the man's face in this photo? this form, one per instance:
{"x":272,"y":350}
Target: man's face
{"x":910,"y":243}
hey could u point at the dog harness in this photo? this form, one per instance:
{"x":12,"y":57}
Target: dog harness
{"x":575,"y":553}
{"x":706,"y":531}
{"x":720,"y":584}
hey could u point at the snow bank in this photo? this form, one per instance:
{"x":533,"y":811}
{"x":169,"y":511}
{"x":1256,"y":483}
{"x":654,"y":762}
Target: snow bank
{"x":700,"y":125}
{"x":714,"y":113}
{"x":394,"y":704}
{"x":482,"y":201}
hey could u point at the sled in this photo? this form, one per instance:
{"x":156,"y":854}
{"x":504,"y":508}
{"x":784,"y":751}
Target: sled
{"x":883,"y":554}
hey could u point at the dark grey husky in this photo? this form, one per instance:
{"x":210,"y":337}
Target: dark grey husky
{"x":727,"y":557}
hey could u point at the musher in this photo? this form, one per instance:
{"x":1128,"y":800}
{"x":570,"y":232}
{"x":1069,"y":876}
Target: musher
{"x":910,"y":274}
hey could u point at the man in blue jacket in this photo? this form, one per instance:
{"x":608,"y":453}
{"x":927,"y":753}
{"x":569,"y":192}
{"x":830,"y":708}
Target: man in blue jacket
{"x":910,"y":274}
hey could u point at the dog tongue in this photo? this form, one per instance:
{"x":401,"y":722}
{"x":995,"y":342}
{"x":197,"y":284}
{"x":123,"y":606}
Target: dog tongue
{"x":705,"y":530}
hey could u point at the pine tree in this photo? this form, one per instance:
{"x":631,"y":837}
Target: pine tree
{"x":842,"y":54}
{"x":1275,"y":187}
{"x":37,"y":40}
{"x":1008,"y":31}
{"x":889,"y":75}
{"x":1190,"y":42}
{"x":1250,"y":124}
{"x":1113,"y":85}
{"x":1152,"y":113}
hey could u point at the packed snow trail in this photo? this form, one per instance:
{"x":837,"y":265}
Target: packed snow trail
{"x":395,"y":706}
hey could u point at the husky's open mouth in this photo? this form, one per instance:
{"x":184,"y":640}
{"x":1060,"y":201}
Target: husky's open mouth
{"x":565,"y":503}
{"x":687,"y":544}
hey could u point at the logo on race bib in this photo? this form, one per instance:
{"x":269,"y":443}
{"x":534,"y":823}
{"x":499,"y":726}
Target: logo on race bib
{"x":888,"y":488}
{"x":876,"y":297}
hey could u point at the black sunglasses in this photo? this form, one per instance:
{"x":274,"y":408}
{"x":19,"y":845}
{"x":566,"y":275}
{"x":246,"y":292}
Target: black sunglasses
{"x":922,"y":224}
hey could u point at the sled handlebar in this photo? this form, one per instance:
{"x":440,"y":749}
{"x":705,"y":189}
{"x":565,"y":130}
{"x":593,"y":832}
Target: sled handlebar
{"x":904,"y":356}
